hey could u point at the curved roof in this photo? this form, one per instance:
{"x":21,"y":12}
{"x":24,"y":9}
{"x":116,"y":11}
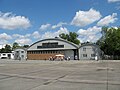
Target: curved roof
{"x":89,"y":44}
{"x":25,"y":49}
{"x":58,"y":39}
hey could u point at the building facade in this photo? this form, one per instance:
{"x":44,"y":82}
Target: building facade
{"x":90,"y":52}
{"x":20,"y":54}
{"x":6,"y":55}
{"x":44,"y":49}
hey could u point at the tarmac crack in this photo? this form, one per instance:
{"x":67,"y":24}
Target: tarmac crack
{"x":20,"y":76}
{"x":54,"y":80}
{"x":5,"y":77}
{"x":49,"y":82}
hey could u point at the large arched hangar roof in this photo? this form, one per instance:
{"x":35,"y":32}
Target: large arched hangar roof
{"x":67,"y":44}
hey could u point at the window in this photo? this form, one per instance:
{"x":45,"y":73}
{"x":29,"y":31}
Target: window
{"x":4,"y":54}
{"x":22,"y":51}
{"x":41,"y":52}
{"x":36,"y":52}
{"x":29,"y":52}
{"x":84,"y":55}
{"x":50,"y":45}
{"x":22,"y":56}
{"x":92,"y":55}
{"x":50,"y":52}
{"x":84,"y":49}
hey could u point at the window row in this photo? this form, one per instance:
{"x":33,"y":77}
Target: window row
{"x":44,"y":52}
{"x":85,"y":49}
{"x":85,"y":55}
{"x":19,"y":51}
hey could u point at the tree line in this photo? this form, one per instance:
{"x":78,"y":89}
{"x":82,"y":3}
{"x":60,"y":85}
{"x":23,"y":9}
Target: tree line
{"x":9,"y":48}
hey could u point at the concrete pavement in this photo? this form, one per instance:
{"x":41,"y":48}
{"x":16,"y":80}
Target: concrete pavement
{"x":59,"y":75}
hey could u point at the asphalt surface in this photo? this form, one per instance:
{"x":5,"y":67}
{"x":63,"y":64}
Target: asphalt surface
{"x":59,"y":75}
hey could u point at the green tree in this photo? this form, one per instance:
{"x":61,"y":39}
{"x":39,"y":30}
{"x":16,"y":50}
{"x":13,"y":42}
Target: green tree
{"x":63,"y":36}
{"x":25,"y":46}
{"x":110,"y":41}
{"x":6,"y":49}
{"x":72,"y":37}
{"x":15,"y":45}
{"x":2,"y":50}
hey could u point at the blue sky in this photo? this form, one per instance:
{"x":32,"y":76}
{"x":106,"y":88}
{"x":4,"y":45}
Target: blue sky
{"x":27,"y":21}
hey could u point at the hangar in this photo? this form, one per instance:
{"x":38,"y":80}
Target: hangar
{"x":44,"y":49}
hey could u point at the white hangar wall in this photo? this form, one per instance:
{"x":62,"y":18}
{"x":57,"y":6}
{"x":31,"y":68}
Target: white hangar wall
{"x":50,"y":47}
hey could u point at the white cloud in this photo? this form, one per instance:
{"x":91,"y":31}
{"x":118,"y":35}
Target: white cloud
{"x":23,"y":41}
{"x":27,"y":38}
{"x":45,"y":26}
{"x":62,"y":30}
{"x":5,"y":36}
{"x":54,"y":34}
{"x":36,"y":35}
{"x":91,"y":34}
{"x":83,"y":18}
{"x":27,"y":35}
{"x":3,"y":42}
{"x":18,"y":36}
{"x":48,"y":34}
{"x":21,"y":36}
{"x":60,"y":24}
{"x":49,"y":26}
{"x":107,"y":20}
{"x":10,"y":21}
{"x":113,"y":1}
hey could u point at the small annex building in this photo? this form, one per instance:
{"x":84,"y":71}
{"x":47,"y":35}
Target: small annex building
{"x":20,"y":54}
{"x":90,"y":51}
{"x":44,"y":49}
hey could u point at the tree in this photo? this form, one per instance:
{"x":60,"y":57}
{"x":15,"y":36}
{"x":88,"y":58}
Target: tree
{"x":63,"y":36}
{"x":25,"y":46}
{"x":2,"y":50}
{"x":15,"y":45}
{"x":6,"y":49}
{"x":110,"y":41}
{"x":72,"y":37}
